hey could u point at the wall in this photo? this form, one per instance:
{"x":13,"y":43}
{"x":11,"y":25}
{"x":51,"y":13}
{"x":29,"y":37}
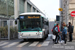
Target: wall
{"x":71,"y":19}
{"x":51,"y":25}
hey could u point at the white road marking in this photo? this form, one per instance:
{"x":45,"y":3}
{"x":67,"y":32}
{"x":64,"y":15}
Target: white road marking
{"x":45,"y":43}
{"x":34,"y":44}
{"x":12,"y":44}
{"x":57,"y":44}
{"x":73,"y":43}
{"x":73,"y":40}
{"x":22,"y":44}
{"x":4,"y":43}
{"x":0,"y":41}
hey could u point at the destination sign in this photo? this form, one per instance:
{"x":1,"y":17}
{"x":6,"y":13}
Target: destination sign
{"x":33,"y":17}
{"x":29,"y":17}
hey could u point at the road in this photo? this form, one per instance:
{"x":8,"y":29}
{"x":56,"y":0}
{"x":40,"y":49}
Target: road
{"x":47,"y":44}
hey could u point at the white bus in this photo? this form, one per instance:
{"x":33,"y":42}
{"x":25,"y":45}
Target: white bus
{"x":32,"y":26}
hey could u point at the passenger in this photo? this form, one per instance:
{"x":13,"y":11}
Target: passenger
{"x":64,"y":33}
{"x":24,"y":27}
{"x":37,"y":23}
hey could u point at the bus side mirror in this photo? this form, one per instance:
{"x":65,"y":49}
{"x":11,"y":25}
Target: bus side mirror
{"x":15,"y":21}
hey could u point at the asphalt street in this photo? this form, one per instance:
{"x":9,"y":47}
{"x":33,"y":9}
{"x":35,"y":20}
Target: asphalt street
{"x":33,"y":44}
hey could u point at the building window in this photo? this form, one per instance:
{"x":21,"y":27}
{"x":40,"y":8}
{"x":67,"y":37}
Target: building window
{"x":33,"y":9}
{"x":6,"y":8}
{"x":21,"y":6}
{"x":3,"y":9}
{"x":66,"y":2}
{"x":37,"y":11}
{"x":28,"y":7}
{"x":10,"y":8}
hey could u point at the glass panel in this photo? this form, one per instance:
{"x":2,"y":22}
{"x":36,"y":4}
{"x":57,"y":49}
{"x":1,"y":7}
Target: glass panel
{"x":11,"y":8}
{"x":3,"y":12}
{"x":7,"y":8}
{"x":28,"y":7}
{"x":21,"y":6}
{"x":30,"y":23}
{"x":5,"y":23}
{"x":33,"y":9}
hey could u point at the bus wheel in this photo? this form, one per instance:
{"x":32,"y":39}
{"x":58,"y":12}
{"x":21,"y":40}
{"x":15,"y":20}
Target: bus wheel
{"x":48,"y":32}
{"x":24,"y":39}
{"x":42,"y":39}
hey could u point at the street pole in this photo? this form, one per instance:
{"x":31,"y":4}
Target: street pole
{"x":61,"y":19}
{"x":72,"y":20}
{"x":8,"y":22}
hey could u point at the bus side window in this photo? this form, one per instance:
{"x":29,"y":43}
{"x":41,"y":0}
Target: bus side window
{"x":16,"y":20}
{"x":42,"y":22}
{"x":47,"y":23}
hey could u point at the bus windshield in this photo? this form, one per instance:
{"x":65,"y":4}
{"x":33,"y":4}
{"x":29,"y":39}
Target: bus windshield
{"x":30,"y":23}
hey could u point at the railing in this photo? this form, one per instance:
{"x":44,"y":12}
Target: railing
{"x":8,"y":30}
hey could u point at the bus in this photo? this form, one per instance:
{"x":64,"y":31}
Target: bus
{"x":32,"y":26}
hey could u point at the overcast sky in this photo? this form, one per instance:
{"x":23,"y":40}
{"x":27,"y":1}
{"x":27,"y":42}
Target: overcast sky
{"x":49,"y":7}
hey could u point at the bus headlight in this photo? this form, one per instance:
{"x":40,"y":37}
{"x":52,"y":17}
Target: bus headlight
{"x":21,"y":34}
{"x":43,"y":29}
{"x":40,"y":35}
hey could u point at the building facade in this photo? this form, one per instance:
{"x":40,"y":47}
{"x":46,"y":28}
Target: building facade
{"x":10,"y":9}
{"x":22,"y":6}
{"x":72,"y":19}
{"x":71,"y":8}
{"x":68,"y":6}
{"x":6,"y":11}
{"x":64,"y":4}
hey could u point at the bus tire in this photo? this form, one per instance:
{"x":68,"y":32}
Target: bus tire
{"x":42,"y":39}
{"x":48,"y":32}
{"x":24,"y":39}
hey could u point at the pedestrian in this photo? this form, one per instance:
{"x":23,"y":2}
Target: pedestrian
{"x":62,"y":25}
{"x":64,"y":33}
{"x":57,"y":31}
{"x":60,"y":35}
{"x":70,"y":31}
{"x":53,"y":31}
{"x":62,"y":29}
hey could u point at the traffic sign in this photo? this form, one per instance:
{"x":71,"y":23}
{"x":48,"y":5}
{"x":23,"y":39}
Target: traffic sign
{"x":73,"y":14}
{"x":60,"y":9}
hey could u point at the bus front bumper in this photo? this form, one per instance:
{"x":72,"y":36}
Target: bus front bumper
{"x":30,"y":37}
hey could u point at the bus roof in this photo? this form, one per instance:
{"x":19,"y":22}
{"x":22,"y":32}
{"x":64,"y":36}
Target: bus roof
{"x":33,"y":13}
